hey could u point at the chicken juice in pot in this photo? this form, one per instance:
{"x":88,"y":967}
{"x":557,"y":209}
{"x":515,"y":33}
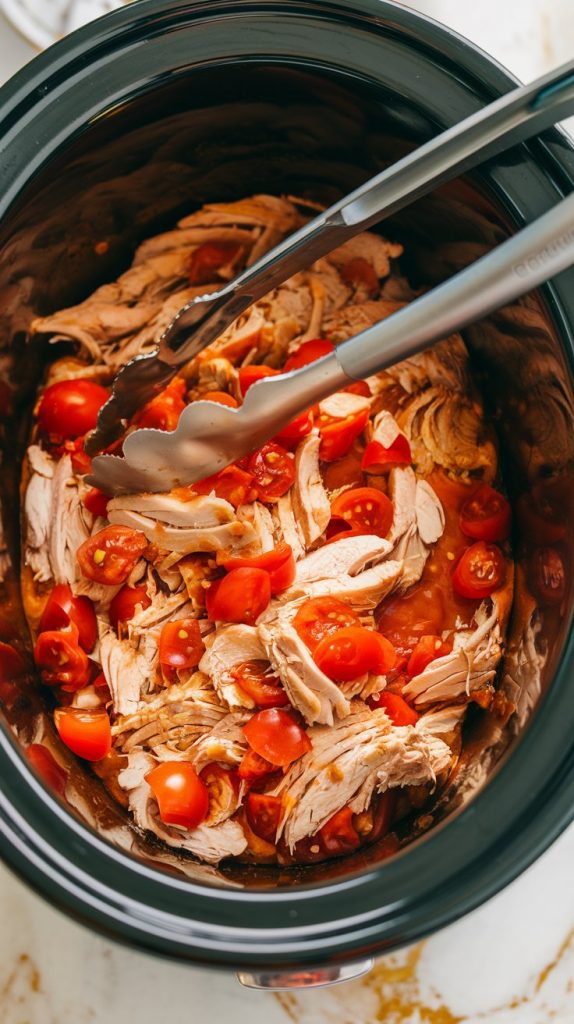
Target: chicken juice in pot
{"x":274,"y":664}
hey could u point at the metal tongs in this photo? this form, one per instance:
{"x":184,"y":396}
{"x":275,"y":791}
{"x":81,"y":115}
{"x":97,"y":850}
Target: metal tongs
{"x":210,"y":436}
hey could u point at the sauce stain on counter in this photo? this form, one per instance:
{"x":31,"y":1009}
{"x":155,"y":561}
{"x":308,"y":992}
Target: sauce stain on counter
{"x":393,"y":994}
{"x":22,"y":985}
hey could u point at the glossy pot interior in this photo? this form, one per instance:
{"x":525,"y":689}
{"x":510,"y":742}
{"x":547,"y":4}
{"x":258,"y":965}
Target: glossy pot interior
{"x":112,"y":136}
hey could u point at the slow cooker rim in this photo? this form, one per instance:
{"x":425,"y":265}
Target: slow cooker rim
{"x":349,"y":941}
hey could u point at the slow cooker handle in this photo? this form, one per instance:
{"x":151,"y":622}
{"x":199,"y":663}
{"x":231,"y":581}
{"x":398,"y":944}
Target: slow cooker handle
{"x":312,"y":977}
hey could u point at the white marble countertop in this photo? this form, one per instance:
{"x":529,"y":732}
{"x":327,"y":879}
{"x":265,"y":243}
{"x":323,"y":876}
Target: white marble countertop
{"x":510,"y":962}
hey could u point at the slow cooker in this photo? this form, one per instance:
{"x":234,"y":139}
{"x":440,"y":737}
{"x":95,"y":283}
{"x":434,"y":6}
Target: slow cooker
{"x":110,"y":136}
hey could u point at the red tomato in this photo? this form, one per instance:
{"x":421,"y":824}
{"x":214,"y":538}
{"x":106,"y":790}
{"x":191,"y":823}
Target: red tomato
{"x":253,"y":767}
{"x":275,"y":735}
{"x":249,"y":375}
{"x":88,"y":734}
{"x":338,"y":434}
{"x":428,"y":649}
{"x":163,"y":412}
{"x":12,"y":664}
{"x":296,"y":430}
{"x":61,"y":660}
{"x":352,"y":651}
{"x":273,"y":470}
{"x":52,"y":775}
{"x":337,"y":529}
{"x":486,"y":515}
{"x":221,"y":397}
{"x":479,"y":572}
{"x":110,"y":555}
{"x":378,"y":459}
{"x":263,"y":814}
{"x":70,"y":408}
{"x":358,"y":272}
{"x":360,"y":387}
{"x":366,"y":509}
{"x":279,"y":563}
{"x":241,"y":596}
{"x":399,"y":712}
{"x":180,"y":644}
{"x":233,"y":484}
{"x":308,"y":352}
{"x":64,"y":607}
{"x":547,"y":576}
{"x":383,"y":808}
{"x":182,"y":798}
{"x":81,"y":461}
{"x":208,"y":258}
{"x":338,"y":835}
{"x":124,"y":605}
{"x":259,"y":683}
{"x":405,"y":619}
{"x":96,"y":501}
{"x":320,"y":617}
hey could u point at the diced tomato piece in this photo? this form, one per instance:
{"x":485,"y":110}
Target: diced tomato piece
{"x":259,"y":683}
{"x":44,"y":762}
{"x":275,"y":735}
{"x":233,"y":484}
{"x":427,"y":649}
{"x":486,"y":515}
{"x":308,"y":352}
{"x":378,"y":459}
{"x":69,"y":408}
{"x":110,"y":555}
{"x":163,"y":411}
{"x":81,"y":461}
{"x":263,"y":814}
{"x":182,"y":798}
{"x":208,"y":259}
{"x":479,"y":572}
{"x":360,"y":387}
{"x":88,"y":734}
{"x":366,"y":509}
{"x":547,"y":576}
{"x":408,"y":617}
{"x":320,"y":617}
{"x":180,"y":644}
{"x":353,"y":651}
{"x":339,"y":433}
{"x":61,"y":659}
{"x":96,"y":501}
{"x":241,"y":596}
{"x":338,"y":836}
{"x":273,"y":471}
{"x":296,"y":430}
{"x":249,"y":375}
{"x":359,"y":271}
{"x":221,"y":397}
{"x":279,"y":563}
{"x":399,"y":712}
{"x":126,"y":602}
{"x":64,"y":607}
{"x":253,"y":767}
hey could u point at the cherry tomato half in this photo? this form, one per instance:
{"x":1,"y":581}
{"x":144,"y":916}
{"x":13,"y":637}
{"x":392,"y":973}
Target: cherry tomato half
{"x":428,"y":649}
{"x":253,"y":768}
{"x":163,"y":411}
{"x":64,"y":607}
{"x":88,"y":734}
{"x":180,"y":644}
{"x":263,"y":814}
{"x":547,"y":576}
{"x":96,"y":501}
{"x":126,"y":602}
{"x":110,"y":555}
{"x":352,"y":651}
{"x":69,"y":408}
{"x":275,"y":735}
{"x":273,"y":470}
{"x":233,"y":484}
{"x":208,"y":258}
{"x":259,"y":683}
{"x":399,"y":712}
{"x":359,"y":272}
{"x":249,"y":375}
{"x":308,"y":352}
{"x":338,"y":836}
{"x":52,"y":775}
{"x":338,"y":433}
{"x":279,"y":563}
{"x":406,"y":618}
{"x":366,"y":509}
{"x":241,"y":596}
{"x":378,"y":459}
{"x":296,"y":430}
{"x":182,"y":798}
{"x":61,"y":660}
{"x":221,"y":397}
{"x":320,"y":617}
{"x":486,"y":515}
{"x":479,"y":572}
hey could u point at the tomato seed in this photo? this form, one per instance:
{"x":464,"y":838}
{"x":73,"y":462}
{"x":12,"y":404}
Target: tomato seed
{"x":99,"y":556}
{"x":183,"y":634}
